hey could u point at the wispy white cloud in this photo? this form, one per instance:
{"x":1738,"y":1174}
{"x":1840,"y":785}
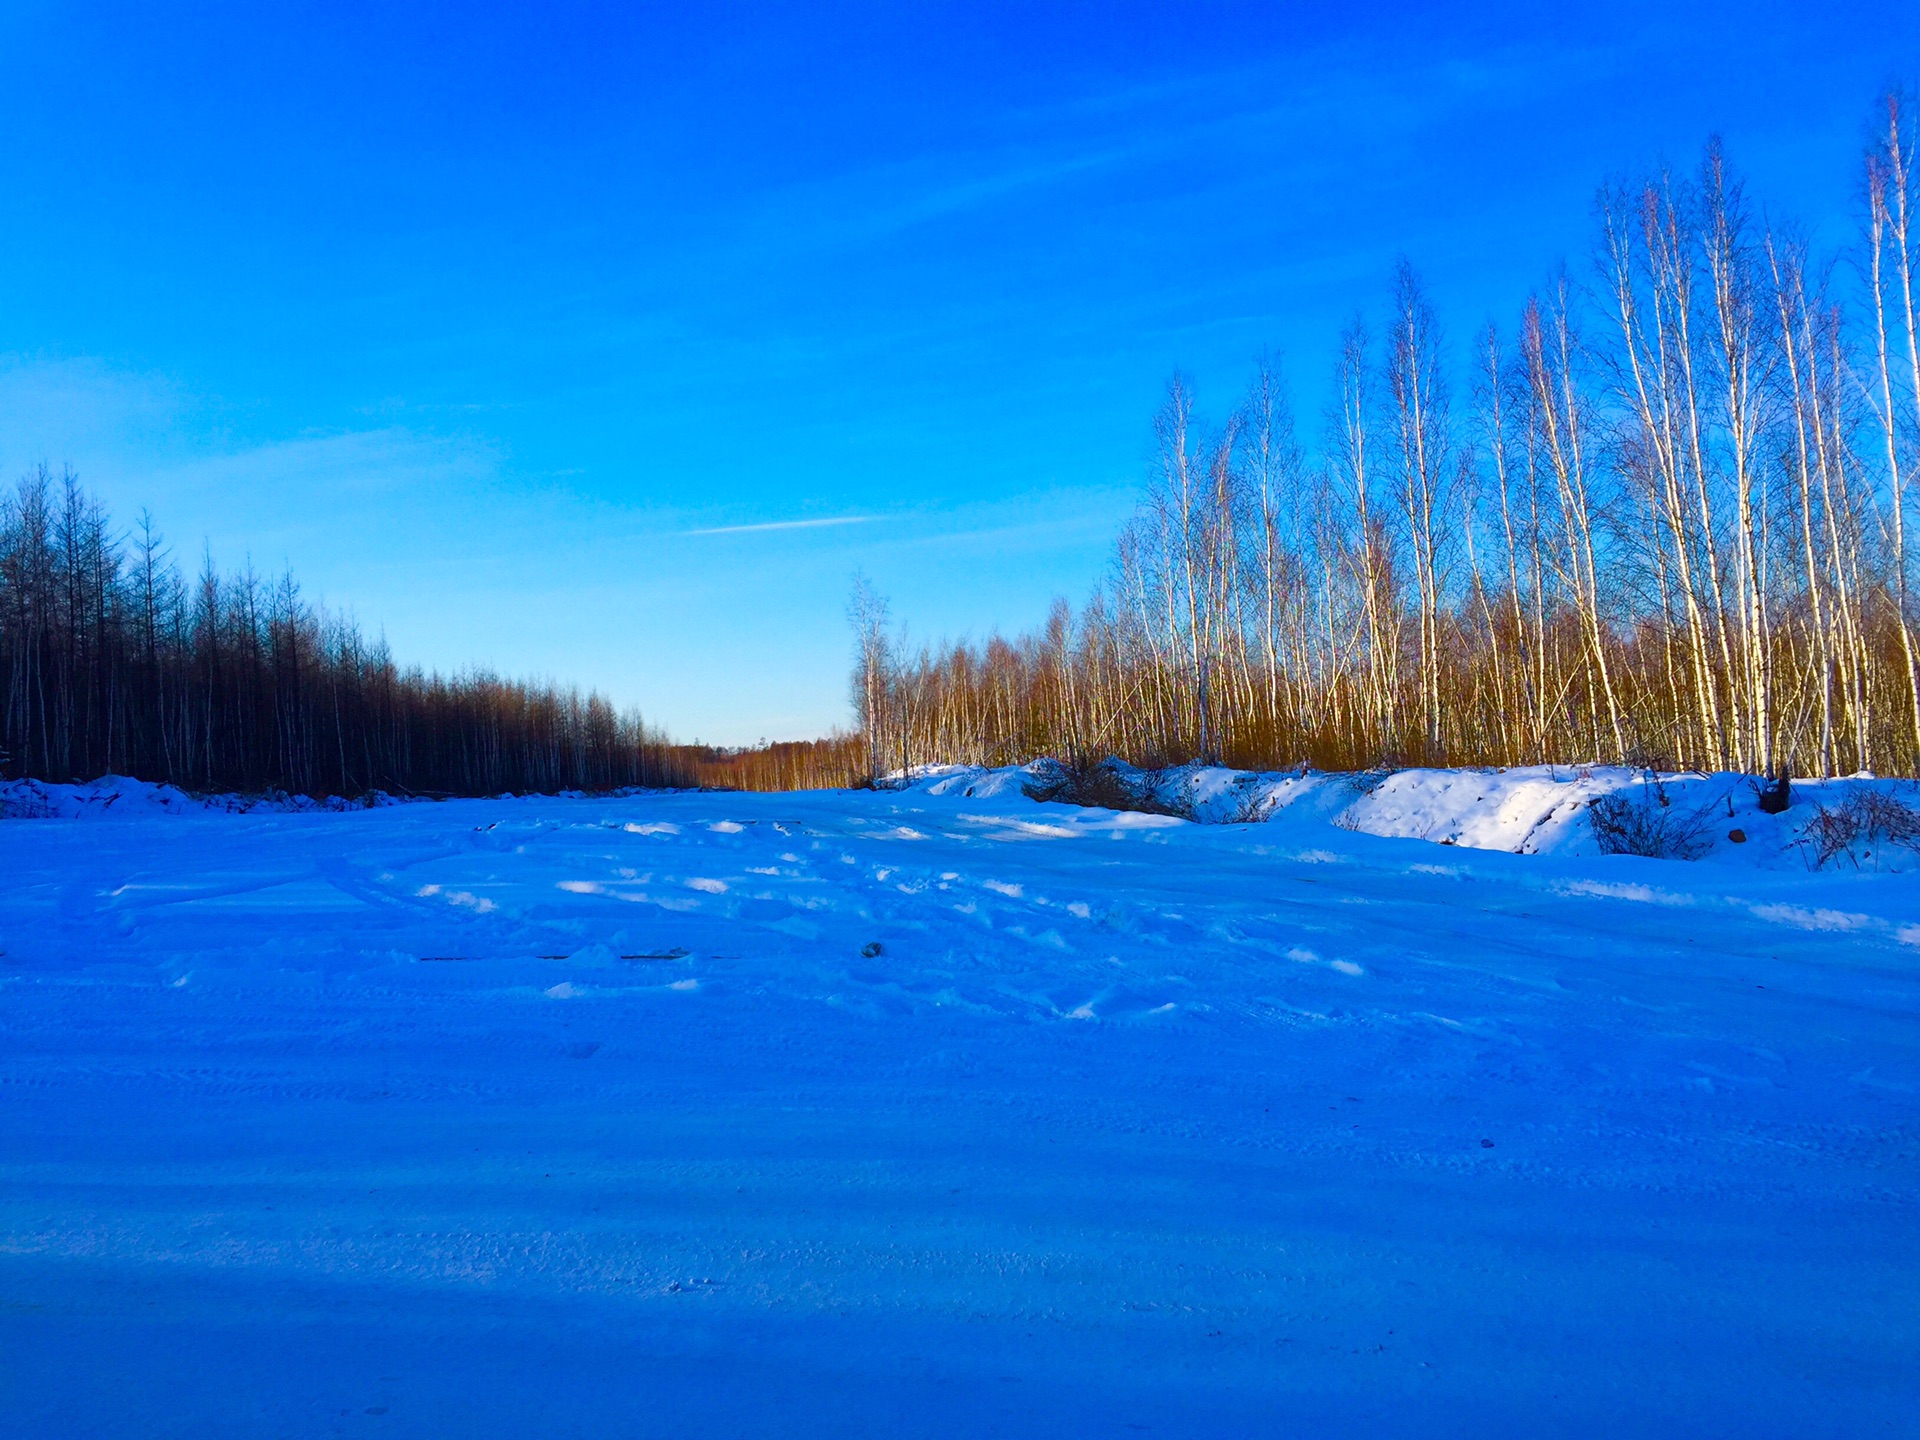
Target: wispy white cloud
{"x":784,"y":525}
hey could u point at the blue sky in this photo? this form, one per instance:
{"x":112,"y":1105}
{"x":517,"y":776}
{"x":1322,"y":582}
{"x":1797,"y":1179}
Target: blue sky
{"x":527,"y":332}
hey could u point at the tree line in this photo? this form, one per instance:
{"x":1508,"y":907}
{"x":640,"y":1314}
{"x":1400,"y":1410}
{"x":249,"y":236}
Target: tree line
{"x":1666,"y":518}
{"x":114,"y":661}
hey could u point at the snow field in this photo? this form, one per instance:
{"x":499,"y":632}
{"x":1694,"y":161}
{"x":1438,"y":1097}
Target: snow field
{"x":921,"y":1113}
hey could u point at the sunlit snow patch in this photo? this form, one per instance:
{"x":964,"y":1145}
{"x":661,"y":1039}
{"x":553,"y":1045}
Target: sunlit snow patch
{"x":1805,"y":919}
{"x":1609,"y":890}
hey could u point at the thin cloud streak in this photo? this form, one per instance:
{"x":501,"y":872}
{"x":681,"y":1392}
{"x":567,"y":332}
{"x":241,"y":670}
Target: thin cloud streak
{"x":783,"y":525}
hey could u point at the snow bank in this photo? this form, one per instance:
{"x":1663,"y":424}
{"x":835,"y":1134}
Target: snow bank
{"x":1859,"y":822}
{"x":119,"y":796}
{"x":1580,"y":811}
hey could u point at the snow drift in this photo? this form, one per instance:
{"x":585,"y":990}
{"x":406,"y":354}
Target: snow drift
{"x":1859,"y":822}
{"x":1573,"y":811}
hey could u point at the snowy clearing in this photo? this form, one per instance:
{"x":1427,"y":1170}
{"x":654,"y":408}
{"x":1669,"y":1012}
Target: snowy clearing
{"x":921,"y":1113}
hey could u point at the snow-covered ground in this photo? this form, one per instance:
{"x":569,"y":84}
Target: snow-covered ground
{"x":1530,"y":810}
{"x":115,"y":797}
{"x":916,"y":1113}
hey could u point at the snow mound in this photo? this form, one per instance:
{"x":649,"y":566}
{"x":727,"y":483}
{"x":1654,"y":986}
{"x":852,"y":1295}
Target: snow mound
{"x":974,"y":782}
{"x":1858,"y":822}
{"x":120,"y":797}
{"x":109,"y":795}
{"x":1854,"y":823}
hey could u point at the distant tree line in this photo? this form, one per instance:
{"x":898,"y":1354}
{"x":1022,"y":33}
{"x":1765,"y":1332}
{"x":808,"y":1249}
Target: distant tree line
{"x":113,"y":661}
{"x":834,"y":762}
{"x":1667,"y":519}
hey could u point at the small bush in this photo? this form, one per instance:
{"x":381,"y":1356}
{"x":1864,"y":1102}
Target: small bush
{"x":1365,"y":782}
{"x":1109,"y":785}
{"x":27,"y":805}
{"x":1249,"y":804}
{"x":1047,"y":781}
{"x":1865,"y":819}
{"x":1649,"y":824}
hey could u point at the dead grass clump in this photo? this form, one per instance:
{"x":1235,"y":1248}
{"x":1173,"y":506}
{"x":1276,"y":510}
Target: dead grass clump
{"x":1249,"y":804}
{"x":1108,"y":785}
{"x":1365,"y":782}
{"x":1864,"y":821}
{"x":1649,"y":824}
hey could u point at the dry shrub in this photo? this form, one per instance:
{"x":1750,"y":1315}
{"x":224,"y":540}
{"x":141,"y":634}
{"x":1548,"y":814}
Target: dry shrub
{"x":1866,"y":819}
{"x":1108,"y":785}
{"x":27,"y":804}
{"x":1249,"y":805}
{"x":1365,"y":782}
{"x":1650,"y":825}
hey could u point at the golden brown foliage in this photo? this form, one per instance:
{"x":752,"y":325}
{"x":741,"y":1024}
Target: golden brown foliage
{"x":1670,"y":526}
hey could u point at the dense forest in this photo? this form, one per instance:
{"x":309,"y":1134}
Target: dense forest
{"x":1666,"y":519}
{"x":113,"y":661}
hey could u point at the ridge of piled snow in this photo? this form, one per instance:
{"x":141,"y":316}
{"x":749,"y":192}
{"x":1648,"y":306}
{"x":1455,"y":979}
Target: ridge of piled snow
{"x":120,"y":796}
{"x":1525,"y":810}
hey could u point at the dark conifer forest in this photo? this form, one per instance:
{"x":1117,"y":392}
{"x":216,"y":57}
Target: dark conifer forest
{"x":116,"y":662}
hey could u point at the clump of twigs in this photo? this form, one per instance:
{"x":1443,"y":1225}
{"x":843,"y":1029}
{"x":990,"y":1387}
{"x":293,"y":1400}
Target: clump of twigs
{"x":29,"y":805}
{"x":1107,"y":785}
{"x":1864,"y":821}
{"x":1365,"y":782}
{"x":1649,"y":824}
{"x":1249,"y":803}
